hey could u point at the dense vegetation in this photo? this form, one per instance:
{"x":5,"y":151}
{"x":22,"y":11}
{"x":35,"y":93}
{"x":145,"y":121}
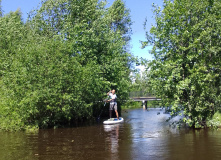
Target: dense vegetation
{"x":58,"y":64}
{"x":186,"y":70}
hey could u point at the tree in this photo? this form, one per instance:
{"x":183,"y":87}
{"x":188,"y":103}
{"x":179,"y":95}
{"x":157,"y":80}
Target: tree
{"x":11,"y":35}
{"x":1,"y":9}
{"x":186,"y":70}
{"x":56,"y":67}
{"x":120,"y":19}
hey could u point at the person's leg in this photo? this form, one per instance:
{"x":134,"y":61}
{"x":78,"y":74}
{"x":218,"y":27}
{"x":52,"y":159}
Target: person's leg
{"x":117,"y":114}
{"x":111,"y":110}
{"x":115,"y":108}
{"x":110,"y":113}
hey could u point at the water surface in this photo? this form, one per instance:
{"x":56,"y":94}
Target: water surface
{"x":144,"y":135}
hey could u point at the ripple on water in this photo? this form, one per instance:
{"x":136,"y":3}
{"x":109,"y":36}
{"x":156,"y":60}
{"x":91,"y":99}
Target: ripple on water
{"x":143,"y":135}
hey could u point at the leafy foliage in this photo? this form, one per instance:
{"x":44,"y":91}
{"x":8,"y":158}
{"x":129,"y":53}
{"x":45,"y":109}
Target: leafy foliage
{"x":186,"y":68}
{"x":56,"y":66}
{"x":0,"y":8}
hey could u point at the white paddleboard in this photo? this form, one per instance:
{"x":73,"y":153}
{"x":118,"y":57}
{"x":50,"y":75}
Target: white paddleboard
{"x":113,"y":120}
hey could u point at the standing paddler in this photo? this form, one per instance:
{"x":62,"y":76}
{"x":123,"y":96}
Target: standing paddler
{"x":113,"y":103}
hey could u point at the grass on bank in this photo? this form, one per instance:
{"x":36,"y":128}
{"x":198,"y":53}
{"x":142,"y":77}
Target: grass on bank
{"x":131,"y":105}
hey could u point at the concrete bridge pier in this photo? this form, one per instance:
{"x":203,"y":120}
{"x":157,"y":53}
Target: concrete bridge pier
{"x":144,"y":103}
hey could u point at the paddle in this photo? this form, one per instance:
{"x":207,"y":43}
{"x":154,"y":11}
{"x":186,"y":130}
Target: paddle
{"x":101,"y":111}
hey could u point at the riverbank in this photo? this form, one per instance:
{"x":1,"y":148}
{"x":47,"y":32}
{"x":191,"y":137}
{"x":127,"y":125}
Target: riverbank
{"x":213,"y":122}
{"x":131,"y":105}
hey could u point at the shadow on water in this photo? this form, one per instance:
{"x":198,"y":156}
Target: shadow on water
{"x":143,"y":135}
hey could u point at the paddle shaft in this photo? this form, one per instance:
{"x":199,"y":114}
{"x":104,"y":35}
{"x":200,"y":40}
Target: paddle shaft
{"x":102,"y":110}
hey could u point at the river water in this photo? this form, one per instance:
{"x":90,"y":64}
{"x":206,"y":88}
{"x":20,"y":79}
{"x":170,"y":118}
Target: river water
{"x":144,"y":135}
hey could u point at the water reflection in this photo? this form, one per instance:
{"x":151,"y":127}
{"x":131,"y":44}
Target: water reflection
{"x":15,"y":146}
{"x":195,"y":144}
{"x":112,"y":140}
{"x":154,"y":139}
{"x":143,"y":135}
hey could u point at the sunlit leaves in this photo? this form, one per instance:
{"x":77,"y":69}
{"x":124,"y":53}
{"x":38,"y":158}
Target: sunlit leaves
{"x":186,"y":48}
{"x":55,"y":67}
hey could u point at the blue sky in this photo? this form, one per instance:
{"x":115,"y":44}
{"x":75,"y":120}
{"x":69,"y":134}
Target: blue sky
{"x":140,"y":9}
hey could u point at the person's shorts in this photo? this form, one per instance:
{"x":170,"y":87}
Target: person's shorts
{"x":113,"y":106}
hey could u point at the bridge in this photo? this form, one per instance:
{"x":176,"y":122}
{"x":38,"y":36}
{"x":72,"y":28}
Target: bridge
{"x":143,"y":97}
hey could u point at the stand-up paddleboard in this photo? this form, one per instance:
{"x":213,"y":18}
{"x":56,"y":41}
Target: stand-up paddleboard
{"x":113,"y":120}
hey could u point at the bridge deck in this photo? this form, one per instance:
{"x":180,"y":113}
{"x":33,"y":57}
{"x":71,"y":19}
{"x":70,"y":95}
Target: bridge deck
{"x":145,"y":98}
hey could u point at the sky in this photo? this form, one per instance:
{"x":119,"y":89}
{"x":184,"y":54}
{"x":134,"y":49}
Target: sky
{"x":139,"y":11}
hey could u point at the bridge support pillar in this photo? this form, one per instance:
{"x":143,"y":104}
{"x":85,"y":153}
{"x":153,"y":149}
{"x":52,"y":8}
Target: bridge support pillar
{"x":143,"y":103}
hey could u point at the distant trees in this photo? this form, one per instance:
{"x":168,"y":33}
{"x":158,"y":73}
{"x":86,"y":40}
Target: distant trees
{"x":139,"y":80}
{"x":186,"y":71}
{"x":57,"y":64}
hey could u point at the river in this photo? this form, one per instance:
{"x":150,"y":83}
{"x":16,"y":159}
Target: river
{"x":144,"y":135}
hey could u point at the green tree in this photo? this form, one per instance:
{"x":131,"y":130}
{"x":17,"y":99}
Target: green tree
{"x":56,"y":66}
{"x":186,"y":70}
{"x":11,"y":34}
{"x":120,"y":19}
{"x":1,"y":9}
{"x":91,"y":39}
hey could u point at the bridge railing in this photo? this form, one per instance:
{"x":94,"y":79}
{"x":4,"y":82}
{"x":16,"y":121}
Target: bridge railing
{"x":140,"y":94}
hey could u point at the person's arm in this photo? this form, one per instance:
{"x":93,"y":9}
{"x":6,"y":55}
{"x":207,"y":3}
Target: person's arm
{"x":108,"y":93}
{"x":112,"y":98}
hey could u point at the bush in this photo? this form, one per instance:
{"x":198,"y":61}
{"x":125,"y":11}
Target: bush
{"x":215,"y":121}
